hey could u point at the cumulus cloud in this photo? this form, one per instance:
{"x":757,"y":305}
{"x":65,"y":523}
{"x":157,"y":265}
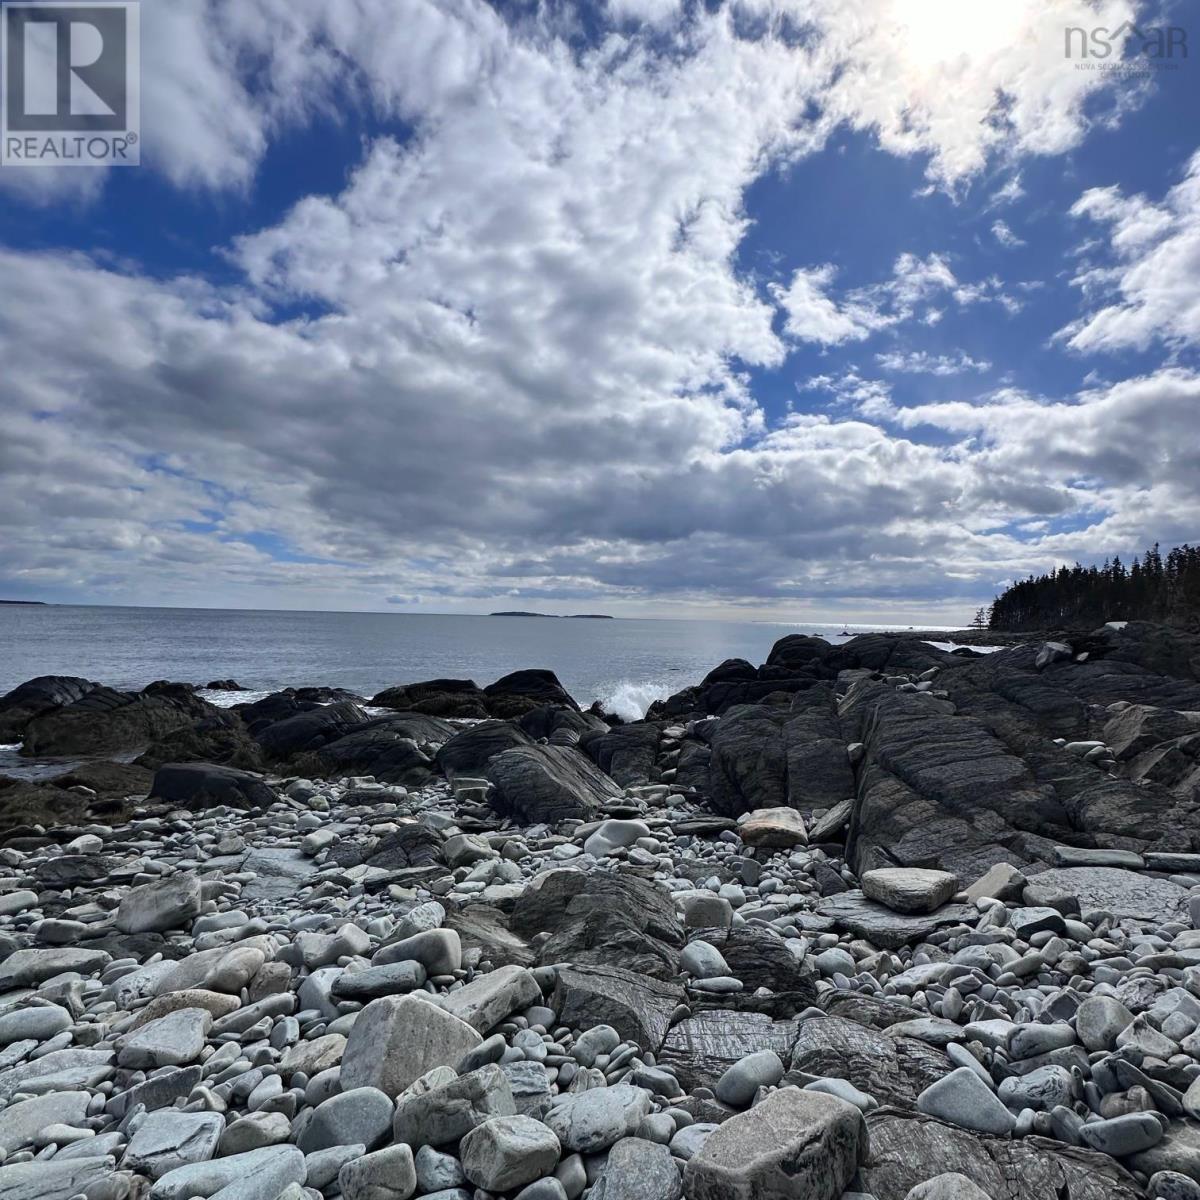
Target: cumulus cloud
{"x":1147,"y":284}
{"x":812,"y":316}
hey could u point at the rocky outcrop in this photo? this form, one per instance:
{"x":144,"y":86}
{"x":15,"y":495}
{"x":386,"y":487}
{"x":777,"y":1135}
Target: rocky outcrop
{"x":907,"y":1149}
{"x":769,"y":757}
{"x":547,"y":784}
{"x":437,"y":697}
{"x":629,"y":753}
{"x":608,"y":920}
{"x":469,"y":751}
{"x":522,"y":691}
{"x":197,"y":786}
{"x":307,"y":731}
{"x":31,"y":699}
{"x":105,"y":721}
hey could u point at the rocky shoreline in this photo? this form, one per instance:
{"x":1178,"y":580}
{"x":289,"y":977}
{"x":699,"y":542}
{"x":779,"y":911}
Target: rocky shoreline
{"x":866,"y":921}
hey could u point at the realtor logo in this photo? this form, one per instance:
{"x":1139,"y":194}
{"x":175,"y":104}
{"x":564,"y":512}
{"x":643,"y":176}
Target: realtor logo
{"x":71,"y":94}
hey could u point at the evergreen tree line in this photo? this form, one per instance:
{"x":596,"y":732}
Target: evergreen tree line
{"x":1152,"y":588}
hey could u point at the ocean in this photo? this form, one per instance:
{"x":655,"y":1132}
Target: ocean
{"x":625,"y":664}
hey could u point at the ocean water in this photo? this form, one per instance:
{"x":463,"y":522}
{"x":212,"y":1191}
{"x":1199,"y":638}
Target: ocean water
{"x":625,"y":664}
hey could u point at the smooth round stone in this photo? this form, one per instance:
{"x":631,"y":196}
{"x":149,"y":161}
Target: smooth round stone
{"x":703,"y":960}
{"x":613,"y":835}
{"x":962,"y":1098}
{"x":951,"y":1186}
{"x":439,"y":951}
{"x":600,"y":1039}
{"x":835,"y":961}
{"x":543,"y":1189}
{"x":722,"y":985}
{"x":740,"y":1083}
{"x":843,"y":1089}
{"x":1170,"y":1185}
{"x":1029,"y":1041}
{"x":1122,"y":1135}
{"x":1042,"y":1090}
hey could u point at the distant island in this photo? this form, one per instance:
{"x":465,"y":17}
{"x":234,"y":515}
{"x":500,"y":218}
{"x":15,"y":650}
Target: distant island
{"x":556,"y":616}
{"x":41,"y":602}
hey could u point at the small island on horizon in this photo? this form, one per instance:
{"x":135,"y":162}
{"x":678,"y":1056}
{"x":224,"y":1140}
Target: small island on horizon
{"x":42,"y":603}
{"x":556,"y":616}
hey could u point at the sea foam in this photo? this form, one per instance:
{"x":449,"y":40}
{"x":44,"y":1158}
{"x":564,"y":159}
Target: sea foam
{"x":630,"y":698}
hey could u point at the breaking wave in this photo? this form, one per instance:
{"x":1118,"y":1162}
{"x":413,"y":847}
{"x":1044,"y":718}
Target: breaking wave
{"x":630,"y":699}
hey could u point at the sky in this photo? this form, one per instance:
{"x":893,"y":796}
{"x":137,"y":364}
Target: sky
{"x":771,"y":309}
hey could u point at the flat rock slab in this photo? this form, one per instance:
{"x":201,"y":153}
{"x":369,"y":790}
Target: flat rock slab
{"x":58,"y":1180}
{"x":907,"y":1149}
{"x":280,"y":873}
{"x":638,"y":1008}
{"x":895,"y":1070}
{"x":28,"y":968}
{"x":886,"y":929}
{"x":706,"y":1045}
{"x":1122,"y":893}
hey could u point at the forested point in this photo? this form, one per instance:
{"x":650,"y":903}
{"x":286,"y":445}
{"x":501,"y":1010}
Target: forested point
{"x":1152,"y":588}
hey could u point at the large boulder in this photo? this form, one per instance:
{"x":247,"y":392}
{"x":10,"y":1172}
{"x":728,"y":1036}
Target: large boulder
{"x":547,"y":784}
{"x":607,"y":920}
{"x":221,"y":737}
{"x":37,"y":696}
{"x":522,"y":691}
{"x":309,"y":730}
{"x":469,"y":751}
{"x":908,"y":1148}
{"x":109,"y":780}
{"x":895,"y":1070}
{"x":628,"y":753}
{"x":24,"y":804}
{"x":384,"y":748}
{"x":437,"y":697}
{"x":702,"y":1047}
{"x":197,"y":786}
{"x":760,"y":958}
{"x":170,"y":903}
{"x":396,"y":1039}
{"x":794,"y":1145}
{"x":638,"y":1008}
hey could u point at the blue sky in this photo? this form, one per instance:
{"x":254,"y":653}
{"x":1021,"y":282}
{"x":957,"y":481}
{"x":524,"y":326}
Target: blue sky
{"x":766,"y":309}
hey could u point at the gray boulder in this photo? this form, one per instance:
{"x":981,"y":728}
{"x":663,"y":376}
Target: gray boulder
{"x":795,"y":1145}
{"x":548,"y":784}
{"x":396,"y":1039}
{"x":170,"y":903}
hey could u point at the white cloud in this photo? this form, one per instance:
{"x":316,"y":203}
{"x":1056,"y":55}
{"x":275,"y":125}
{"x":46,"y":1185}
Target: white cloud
{"x":1148,"y":284}
{"x":1009,"y":193}
{"x":813,"y":317}
{"x":1005,"y":236}
{"x":920,"y":362}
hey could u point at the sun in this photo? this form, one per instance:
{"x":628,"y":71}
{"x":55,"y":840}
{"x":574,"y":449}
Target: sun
{"x":932,"y":32}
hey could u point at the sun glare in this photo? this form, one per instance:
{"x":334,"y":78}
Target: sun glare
{"x":932,"y":32}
